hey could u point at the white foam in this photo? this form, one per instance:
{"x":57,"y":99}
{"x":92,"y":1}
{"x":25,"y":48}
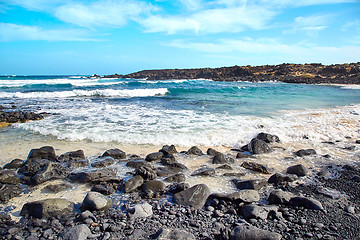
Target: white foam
{"x":87,"y":93}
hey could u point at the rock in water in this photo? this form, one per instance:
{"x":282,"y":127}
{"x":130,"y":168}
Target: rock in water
{"x":114,"y":153}
{"x":253,"y":184}
{"x":268,"y":138}
{"x":48,"y":208}
{"x":211,"y":152}
{"x":256,"y":167}
{"x":79,"y":232}
{"x":299,"y":170}
{"x":146,"y":172}
{"x":257,"y":146}
{"x":95,"y":201}
{"x":305,"y":152}
{"x":195,"y":196}
{"x":156,"y":156}
{"x":280,"y":178}
{"x":247,"y":232}
{"x":72,"y":156}
{"x":205,"y":171}
{"x":194,"y":151}
{"x":103,"y":162}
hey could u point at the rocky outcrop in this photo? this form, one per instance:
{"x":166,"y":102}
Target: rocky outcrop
{"x":290,"y":73}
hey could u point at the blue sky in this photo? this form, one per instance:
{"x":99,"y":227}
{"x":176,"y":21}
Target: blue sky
{"x":123,"y":36}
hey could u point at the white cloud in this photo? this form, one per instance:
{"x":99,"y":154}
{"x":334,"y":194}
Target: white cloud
{"x":353,"y":26}
{"x":45,"y":5}
{"x":274,"y":49}
{"x":310,"y":24}
{"x":211,"y":21}
{"x":292,"y":3}
{"x":102,"y":13}
{"x":15,"y":32}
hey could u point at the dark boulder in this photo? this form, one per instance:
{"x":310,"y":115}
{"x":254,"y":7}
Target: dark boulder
{"x":147,"y":173}
{"x":133,"y":184}
{"x":72,"y":156}
{"x":220,"y":158}
{"x":46,"y":152}
{"x":211,"y":152}
{"x":194,"y":151}
{"x":305,"y":152}
{"x":156,"y":156}
{"x":225,"y":166}
{"x":50,"y":171}
{"x":299,"y":170}
{"x":254,"y":184}
{"x":204,"y":171}
{"x":114,"y":153}
{"x":290,"y":199}
{"x":103,"y":162}
{"x":268,"y":138}
{"x":278,"y":178}
{"x":256,"y":167}
{"x":180,"y":177}
{"x":257,"y":146}
{"x":167,"y":150}
{"x":9,"y":177}
{"x":195,"y":196}
{"x":98,"y":175}
{"x":48,"y":208}
{"x":14,"y":164}
{"x":79,"y":163}
{"x":8,"y":191}
{"x":137,"y":163}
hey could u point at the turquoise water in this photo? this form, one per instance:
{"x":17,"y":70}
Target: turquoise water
{"x":187,"y":112}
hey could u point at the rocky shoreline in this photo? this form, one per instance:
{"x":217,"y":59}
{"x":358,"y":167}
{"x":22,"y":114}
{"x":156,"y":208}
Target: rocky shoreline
{"x":288,"y":73}
{"x":153,"y":201}
{"x":10,"y":115}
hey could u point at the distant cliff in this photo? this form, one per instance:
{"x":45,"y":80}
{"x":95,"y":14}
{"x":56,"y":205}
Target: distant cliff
{"x":290,"y":73}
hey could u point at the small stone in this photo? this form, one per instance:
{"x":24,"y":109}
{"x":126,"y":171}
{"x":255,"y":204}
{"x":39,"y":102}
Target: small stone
{"x":299,"y":170}
{"x":95,"y":201}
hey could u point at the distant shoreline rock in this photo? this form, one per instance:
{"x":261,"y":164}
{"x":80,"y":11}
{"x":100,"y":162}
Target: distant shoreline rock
{"x":12,"y":115}
{"x":313,"y":73}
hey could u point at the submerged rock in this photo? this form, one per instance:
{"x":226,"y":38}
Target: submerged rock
{"x":205,"y":171}
{"x":305,"y":152}
{"x":195,"y":196}
{"x":256,"y":167}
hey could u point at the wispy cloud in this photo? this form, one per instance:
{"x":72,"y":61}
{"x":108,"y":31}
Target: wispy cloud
{"x":15,"y":32}
{"x":37,"y":5}
{"x":102,"y":13}
{"x":300,"y":52}
{"x":311,"y":25}
{"x":211,"y":21}
{"x":192,"y":5}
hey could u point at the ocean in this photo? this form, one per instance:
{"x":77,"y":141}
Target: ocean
{"x":181,"y":112}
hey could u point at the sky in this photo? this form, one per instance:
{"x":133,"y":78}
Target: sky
{"x":52,"y":37}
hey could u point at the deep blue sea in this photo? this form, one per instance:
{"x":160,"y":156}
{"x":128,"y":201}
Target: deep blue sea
{"x":182,"y":112}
